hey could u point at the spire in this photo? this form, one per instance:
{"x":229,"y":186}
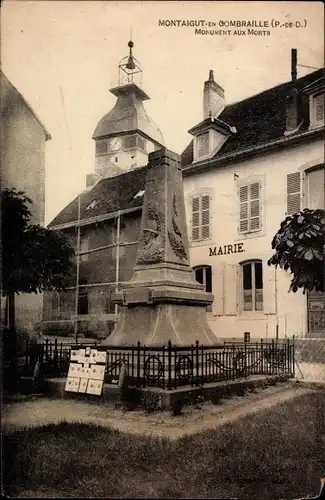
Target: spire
{"x":130,"y":64}
{"x":129,"y":67}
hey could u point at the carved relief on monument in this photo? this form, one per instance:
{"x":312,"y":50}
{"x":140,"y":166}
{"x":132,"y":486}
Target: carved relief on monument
{"x":152,"y":241}
{"x":175,"y":235}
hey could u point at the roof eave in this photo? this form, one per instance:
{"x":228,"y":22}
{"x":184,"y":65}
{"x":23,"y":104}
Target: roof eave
{"x":93,"y":220}
{"x":252,"y":151}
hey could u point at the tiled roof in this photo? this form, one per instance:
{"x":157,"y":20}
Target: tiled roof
{"x":128,"y":115}
{"x":111,"y":194}
{"x":259,"y":119}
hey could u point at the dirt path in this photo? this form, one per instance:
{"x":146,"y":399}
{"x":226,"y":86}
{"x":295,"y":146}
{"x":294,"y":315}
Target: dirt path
{"x":158,"y":424}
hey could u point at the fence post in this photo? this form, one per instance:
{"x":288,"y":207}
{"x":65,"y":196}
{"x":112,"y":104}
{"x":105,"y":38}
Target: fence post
{"x":132,"y":361}
{"x":197,"y":361}
{"x":273,"y":358}
{"x":192,"y":361}
{"x":202,"y":361}
{"x":176,"y":368}
{"x":262,"y":356}
{"x":245,"y":361}
{"x":288,"y":361}
{"x":169,"y":364}
{"x":144,"y":365}
{"x":234,"y":362}
{"x":61,"y":356}
{"x":56,"y":356}
{"x":138,"y":363}
{"x":163,"y":364}
{"x":293,"y":363}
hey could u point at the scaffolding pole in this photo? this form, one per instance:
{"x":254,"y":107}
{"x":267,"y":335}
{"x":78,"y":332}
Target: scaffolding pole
{"x":117,"y":253}
{"x":76,"y":304}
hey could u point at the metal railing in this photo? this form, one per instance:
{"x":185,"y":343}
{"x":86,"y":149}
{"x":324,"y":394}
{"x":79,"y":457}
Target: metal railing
{"x":169,"y":367}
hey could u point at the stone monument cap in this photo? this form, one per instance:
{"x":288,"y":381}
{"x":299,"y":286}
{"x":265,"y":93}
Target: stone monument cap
{"x":164,"y":156}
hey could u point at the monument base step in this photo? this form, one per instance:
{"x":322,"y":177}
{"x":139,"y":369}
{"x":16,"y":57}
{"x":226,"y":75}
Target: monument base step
{"x":164,"y":399}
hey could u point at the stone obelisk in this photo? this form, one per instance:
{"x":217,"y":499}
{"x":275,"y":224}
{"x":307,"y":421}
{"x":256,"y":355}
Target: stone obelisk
{"x":162,"y":301}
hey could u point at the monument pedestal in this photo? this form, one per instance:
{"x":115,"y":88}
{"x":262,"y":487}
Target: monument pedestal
{"x":163,"y":302}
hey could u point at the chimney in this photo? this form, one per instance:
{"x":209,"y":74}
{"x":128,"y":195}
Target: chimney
{"x":213,"y":98}
{"x":293,"y":100}
{"x":294,"y":65}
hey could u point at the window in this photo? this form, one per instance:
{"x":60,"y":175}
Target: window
{"x":249,"y":208}
{"x":318,"y":109}
{"x":130,"y":142}
{"x":252,"y":286}
{"x":201,"y":217}
{"x":101,"y":147}
{"x":316,"y":188}
{"x":203,"y":275}
{"x":83,"y":248}
{"x":203,"y":144}
{"x":83,"y":301}
{"x":141,"y":143}
{"x":293,"y":193}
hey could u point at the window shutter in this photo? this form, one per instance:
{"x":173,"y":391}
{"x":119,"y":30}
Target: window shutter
{"x":201,"y":218}
{"x":254,"y":206}
{"x":205,"y":214}
{"x":230,"y":291}
{"x":218,"y":290}
{"x":319,"y":107}
{"x":195,"y":218}
{"x":293,"y":193}
{"x":243,"y":209}
{"x":269,"y":295}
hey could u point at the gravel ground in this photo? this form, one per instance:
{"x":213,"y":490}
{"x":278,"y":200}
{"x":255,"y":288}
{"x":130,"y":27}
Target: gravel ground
{"x":40,"y":411}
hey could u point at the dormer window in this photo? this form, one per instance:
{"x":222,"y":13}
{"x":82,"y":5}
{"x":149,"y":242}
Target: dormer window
{"x":203,"y":144}
{"x":317,"y":111}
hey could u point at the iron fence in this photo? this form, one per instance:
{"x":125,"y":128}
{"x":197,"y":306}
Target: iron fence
{"x":170,"y":366}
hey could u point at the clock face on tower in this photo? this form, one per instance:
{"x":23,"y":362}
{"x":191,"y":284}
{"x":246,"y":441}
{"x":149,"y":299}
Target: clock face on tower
{"x":115,"y":144}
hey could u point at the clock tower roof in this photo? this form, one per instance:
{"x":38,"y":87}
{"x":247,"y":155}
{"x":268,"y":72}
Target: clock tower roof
{"x":128,"y":114}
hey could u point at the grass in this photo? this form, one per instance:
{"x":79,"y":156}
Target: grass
{"x":276,"y":453}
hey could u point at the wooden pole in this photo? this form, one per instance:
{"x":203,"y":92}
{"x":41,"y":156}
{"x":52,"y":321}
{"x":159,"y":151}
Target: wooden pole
{"x":117,"y":268}
{"x":77,"y":276}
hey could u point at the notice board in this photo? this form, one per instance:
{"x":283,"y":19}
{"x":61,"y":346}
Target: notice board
{"x":86,"y":371}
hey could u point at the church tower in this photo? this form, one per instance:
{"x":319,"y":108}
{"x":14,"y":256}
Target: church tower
{"x":125,"y":135}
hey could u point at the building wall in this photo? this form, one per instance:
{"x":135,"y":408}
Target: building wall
{"x":22,"y":149}
{"x":99,"y":276}
{"x":287,"y":310}
{"x":283,"y":312}
{"x":22,"y":144}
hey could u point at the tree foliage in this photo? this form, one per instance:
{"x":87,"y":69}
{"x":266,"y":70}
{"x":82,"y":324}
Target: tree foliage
{"x":33,"y":258}
{"x":299,"y":249}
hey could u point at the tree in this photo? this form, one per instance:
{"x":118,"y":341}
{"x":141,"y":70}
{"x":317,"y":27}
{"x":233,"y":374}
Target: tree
{"x":34,"y":258}
{"x":299,"y":248}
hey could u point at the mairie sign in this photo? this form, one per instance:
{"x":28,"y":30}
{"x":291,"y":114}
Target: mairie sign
{"x":226,"y":249}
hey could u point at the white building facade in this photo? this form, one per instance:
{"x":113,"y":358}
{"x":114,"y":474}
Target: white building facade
{"x":237,"y":198}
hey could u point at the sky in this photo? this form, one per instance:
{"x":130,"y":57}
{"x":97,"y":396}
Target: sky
{"x":63,"y":57}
